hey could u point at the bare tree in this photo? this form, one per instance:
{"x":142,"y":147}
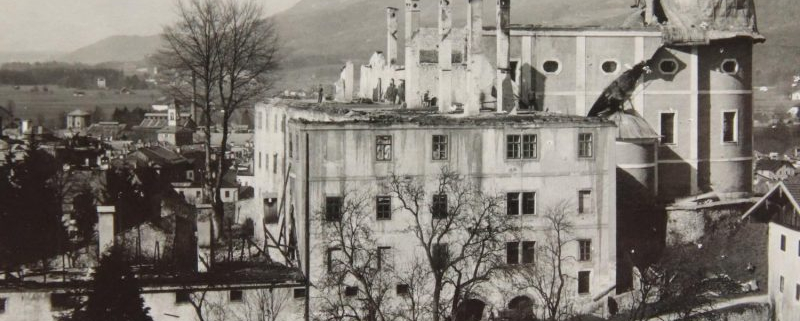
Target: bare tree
{"x":679,"y":287}
{"x":548,"y":277}
{"x":223,"y":54}
{"x":353,"y":257}
{"x":256,"y":305}
{"x":461,"y":231}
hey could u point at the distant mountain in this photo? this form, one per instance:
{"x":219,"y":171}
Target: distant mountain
{"x":115,"y":48}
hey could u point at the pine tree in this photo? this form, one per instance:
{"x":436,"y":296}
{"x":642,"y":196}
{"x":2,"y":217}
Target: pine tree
{"x":115,"y":293}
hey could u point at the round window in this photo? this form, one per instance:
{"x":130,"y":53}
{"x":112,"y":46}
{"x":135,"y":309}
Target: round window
{"x":551,"y":66}
{"x":668,"y":66}
{"x":730,"y":66}
{"x":609,"y":66}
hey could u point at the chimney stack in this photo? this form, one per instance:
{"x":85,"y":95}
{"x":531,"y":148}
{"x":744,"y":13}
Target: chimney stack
{"x":503,"y":53}
{"x":649,"y":15}
{"x":445,"y":56}
{"x":412,"y":19}
{"x":205,"y":230}
{"x":474,"y":54}
{"x":105,"y":228}
{"x":412,"y":98}
{"x":391,"y":36}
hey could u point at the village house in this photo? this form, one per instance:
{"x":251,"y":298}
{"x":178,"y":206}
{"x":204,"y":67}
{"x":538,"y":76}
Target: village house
{"x":776,"y":170}
{"x":780,"y":210}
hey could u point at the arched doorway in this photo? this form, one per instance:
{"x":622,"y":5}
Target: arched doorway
{"x":470,"y":310}
{"x":521,"y":309}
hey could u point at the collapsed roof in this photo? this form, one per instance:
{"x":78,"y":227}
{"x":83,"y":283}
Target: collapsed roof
{"x":701,"y":21}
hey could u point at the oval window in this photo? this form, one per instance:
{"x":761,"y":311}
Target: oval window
{"x":730,"y":66}
{"x":551,"y":66}
{"x":668,"y":66}
{"x":609,"y":66}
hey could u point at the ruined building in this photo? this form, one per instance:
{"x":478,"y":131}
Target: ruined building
{"x":622,"y":121}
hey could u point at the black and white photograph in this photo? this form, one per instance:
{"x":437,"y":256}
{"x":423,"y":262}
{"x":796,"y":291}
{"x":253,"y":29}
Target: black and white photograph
{"x":400,"y":160}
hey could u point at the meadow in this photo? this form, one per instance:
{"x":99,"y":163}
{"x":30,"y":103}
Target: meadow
{"x":57,"y":100}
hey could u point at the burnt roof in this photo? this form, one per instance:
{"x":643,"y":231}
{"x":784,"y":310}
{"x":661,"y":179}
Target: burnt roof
{"x":772,"y":165}
{"x":343,"y":114}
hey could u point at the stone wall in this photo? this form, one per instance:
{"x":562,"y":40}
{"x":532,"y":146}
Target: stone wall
{"x":687,"y":224}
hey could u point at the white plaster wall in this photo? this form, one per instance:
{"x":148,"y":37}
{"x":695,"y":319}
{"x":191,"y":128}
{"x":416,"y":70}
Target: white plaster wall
{"x":787,"y":264}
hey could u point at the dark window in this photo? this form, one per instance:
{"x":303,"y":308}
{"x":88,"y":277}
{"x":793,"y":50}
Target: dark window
{"x":585,"y":250}
{"x":457,"y":57}
{"x":512,"y":70}
{"x":331,"y":258}
{"x":383,"y":148}
{"x":729,"y":126}
{"x":439,"y":206}
{"x":274,"y":163}
{"x":528,"y":203}
{"x":439,"y":147}
{"x":584,"y":201}
{"x":512,"y":203}
{"x":521,"y":203}
{"x":402,"y":289}
{"x":384,"y":256}
{"x":783,"y":243}
{"x":668,"y":66}
{"x":528,"y":252}
{"x":383,"y":207}
{"x":333,"y":208}
{"x":441,"y":256}
{"x":797,"y":292}
{"x":585,"y":145}
{"x":197,"y":194}
{"x":583,"y":282}
{"x":512,"y":252}
{"x":62,"y":301}
{"x":3,"y":305}
{"x":291,"y":146}
{"x":429,"y":56}
{"x":780,"y":285}
{"x":259,"y":160}
{"x":227,"y":193}
{"x":350,"y":291}
{"x":236,"y":295}
{"x":730,"y":66}
{"x":182,"y":297}
{"x":609,"y":66}
{"x":668,"y":128}
{"x":551,"y":66}
{"x":299,"y":293}
{"x":513,"y":146}
{"x":529,"y":144}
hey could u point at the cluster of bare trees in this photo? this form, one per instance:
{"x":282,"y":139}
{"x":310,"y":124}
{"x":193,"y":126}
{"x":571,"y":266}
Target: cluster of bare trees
{"x":223,"y":54}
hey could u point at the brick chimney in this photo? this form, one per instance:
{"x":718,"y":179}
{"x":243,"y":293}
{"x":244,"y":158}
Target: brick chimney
{"x":412,"y":98}
{"x":391,"y":35}
{"x":503,"y":53}
{"x":474,"y":56}
{"x":412,"y":19}
{"x":205,"y":224}
{"x":105,"y":228}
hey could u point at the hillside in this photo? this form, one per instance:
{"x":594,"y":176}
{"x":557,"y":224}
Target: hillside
{"x":320,"y":35}
{"x":116,"y":48}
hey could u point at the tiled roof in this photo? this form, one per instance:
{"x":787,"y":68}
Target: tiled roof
{"x":772,"y":165}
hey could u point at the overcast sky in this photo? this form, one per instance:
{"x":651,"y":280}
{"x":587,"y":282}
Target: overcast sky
{"x":66,"y":25}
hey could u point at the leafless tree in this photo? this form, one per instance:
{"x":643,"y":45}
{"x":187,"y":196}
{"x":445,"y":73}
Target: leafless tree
{"x":262,"y":305}
{"x":354,"y":258}
{"x":223,"y":53}
{"x":462,"y":233}
{"x":679,"y":287}
{"x":417,"y":301}
{"x":548,"y":277}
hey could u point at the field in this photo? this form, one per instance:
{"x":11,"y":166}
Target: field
{"x":56,"y":100}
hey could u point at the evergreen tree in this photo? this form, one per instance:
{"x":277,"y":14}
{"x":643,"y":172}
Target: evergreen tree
{"x":115,"y":293}
{"x":31,"y":215}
